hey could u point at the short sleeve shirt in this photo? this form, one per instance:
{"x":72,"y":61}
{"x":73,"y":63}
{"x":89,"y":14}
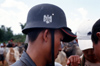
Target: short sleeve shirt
{"x":25,"y":60}
{"x":87,"y":63}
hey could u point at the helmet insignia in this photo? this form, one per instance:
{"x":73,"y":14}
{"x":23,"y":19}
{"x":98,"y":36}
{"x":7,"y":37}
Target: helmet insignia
{"x":47,"y":19}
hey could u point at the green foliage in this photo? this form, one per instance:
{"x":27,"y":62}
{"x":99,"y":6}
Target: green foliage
{"x":5,"y":33}
{"x":19,"y":38}
{"x":22,"y":25}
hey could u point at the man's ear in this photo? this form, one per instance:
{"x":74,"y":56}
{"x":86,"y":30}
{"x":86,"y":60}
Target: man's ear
{"x":46,"y":35}
{"x":98,"y":35}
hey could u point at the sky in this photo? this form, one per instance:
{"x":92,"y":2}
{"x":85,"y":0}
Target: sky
{"x":78,"y":12}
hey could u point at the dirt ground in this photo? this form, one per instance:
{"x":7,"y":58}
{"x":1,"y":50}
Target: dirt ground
{"x":4,"y":65}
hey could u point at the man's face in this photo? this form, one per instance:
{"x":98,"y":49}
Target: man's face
{"x":97,"y":49}
{"x":89,"y":55}
{"x":58,"y":36}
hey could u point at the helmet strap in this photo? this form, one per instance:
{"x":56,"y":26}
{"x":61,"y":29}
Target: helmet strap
{"x":52,"y":46}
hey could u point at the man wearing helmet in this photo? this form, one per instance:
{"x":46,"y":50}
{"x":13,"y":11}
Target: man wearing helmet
{"x":46,"y":27}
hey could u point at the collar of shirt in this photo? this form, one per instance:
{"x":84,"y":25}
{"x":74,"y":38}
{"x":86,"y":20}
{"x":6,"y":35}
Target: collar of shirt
{"x":27,"y":60}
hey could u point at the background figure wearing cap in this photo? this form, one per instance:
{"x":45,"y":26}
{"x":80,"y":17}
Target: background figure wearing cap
{"x":96,"y":38}
{"x":84,"y":39}
{"x":46,"y":28}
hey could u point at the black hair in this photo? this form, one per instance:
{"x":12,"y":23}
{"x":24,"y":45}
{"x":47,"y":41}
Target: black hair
{"x":95,"y":29}
{"x":33,"y":34}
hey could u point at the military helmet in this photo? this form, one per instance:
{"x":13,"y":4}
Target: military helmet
{"x":48,"y":16}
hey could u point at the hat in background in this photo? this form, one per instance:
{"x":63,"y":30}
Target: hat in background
{"x":84,"y":36}
{"x":85,"y":44}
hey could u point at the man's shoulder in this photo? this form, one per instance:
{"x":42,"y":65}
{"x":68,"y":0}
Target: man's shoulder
{"x":25,"y":60}
{"x":19,"y":63}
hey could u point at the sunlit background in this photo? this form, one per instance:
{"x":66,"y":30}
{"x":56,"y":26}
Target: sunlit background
{"x":14,"y":12}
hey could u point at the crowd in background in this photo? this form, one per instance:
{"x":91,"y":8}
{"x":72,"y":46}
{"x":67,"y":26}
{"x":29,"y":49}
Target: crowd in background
{"x":9,"y":44}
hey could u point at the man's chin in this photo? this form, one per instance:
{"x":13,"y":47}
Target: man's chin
{"x":98,"y":59}
{"x":56,"y":55}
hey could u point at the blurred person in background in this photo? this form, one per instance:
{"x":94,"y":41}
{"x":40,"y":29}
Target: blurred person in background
{"x":2,"y":53}
{"x":9,"y":44}
{"x":84,"y":39}
{"x":4,"y":44}
{"x":96,"y":38}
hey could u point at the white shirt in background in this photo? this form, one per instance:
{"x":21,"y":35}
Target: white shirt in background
{"x":57,"y":64}
{"x":1,"y":50}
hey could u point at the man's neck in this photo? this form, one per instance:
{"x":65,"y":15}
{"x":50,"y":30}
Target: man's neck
{"x":36,"y":56}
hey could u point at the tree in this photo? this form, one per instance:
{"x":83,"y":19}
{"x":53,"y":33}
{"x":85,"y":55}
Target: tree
{"x":22,"y":25}
{"x":19,"y":38}
{"x":9,"y":33}
{"x":5,"y":33}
